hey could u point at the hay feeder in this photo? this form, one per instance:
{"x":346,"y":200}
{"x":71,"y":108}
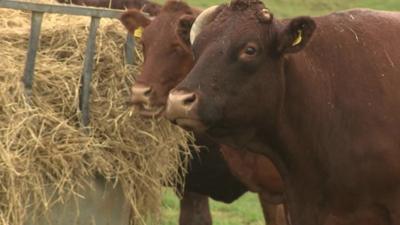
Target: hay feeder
{"x":104,"y":203}
{"x":108,"y":190}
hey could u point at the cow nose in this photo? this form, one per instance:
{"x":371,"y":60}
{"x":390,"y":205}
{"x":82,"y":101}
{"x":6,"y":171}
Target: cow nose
{"x":141,"y":94}
{"x":180,"y":103}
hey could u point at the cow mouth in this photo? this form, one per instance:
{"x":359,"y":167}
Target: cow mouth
{"x":190,"y":124}
{"x":150,"y":111}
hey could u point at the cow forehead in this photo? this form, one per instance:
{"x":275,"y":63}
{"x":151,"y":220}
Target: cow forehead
{"x":165,"y":23}
{"x":161,"y":29}
{"x":231,"y":28}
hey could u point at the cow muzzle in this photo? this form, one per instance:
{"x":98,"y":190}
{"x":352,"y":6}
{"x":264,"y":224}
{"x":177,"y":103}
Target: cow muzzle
{"x":141,"y":99}
{"x":182,"y":109}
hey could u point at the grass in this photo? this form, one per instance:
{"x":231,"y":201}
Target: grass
{"x":288,"y":8}
{"x":246,"y":210}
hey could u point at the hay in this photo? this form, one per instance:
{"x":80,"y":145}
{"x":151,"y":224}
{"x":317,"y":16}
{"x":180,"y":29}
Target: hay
{"x":42,"y":144}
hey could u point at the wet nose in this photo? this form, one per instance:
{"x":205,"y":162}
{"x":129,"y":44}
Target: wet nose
{"x":141,"y":94}
{"x":180,"y":103}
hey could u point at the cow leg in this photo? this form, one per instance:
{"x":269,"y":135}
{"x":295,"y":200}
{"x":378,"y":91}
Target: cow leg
{"x":274,"y":214}
{"x":194,"y":210}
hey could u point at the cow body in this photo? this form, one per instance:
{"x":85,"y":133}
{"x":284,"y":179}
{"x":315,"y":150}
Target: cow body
{"x":208,"y":174}
{"x":167,"y":60}
{"x":319,"y":96}
{"x":341,"y":119}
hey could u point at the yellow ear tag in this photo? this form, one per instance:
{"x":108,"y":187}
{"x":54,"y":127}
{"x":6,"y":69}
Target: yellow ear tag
{"x":299,"y":38}
{"x":138,"y":32}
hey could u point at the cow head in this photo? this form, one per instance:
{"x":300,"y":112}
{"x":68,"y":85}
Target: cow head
{"x":237,"y":81}
{"x":167,"y":54}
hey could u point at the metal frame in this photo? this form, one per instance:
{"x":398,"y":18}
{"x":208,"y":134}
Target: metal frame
{"x":96,"y":14}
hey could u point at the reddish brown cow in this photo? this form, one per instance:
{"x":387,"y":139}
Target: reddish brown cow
{"x":319,"y":96}
{"x":146,"y":6}
{"x":167,"y":60}
{"x":208,"y":174}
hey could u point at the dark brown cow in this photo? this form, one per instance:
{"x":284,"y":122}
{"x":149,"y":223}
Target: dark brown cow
{"x":167,"y":60}
{"x":146,"y":6}
{"x":319,"y":96}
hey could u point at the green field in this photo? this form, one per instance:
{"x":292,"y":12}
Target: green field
{"x":286,"y":8}
{"x":247,"y":211}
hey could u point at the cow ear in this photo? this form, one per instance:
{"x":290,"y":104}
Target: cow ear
{"x":183,"y":29}
{"x":295,"y":36}
{"x":133,"y":19}
{"x":153,"y":9}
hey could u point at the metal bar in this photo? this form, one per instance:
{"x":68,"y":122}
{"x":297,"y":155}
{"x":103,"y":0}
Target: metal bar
{"x":87,"y":70}
{"x":129,"y":49}
{"x":36,"y":23}
{"x":62,"y":9}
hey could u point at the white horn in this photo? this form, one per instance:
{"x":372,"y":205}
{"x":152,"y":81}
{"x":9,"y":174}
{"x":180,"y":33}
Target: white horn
{"x":201,"y":20}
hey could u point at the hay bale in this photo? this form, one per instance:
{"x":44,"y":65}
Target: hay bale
{"x":41,"y":143}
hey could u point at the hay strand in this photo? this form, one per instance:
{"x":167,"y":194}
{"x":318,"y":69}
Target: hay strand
{"x":41,"y":142}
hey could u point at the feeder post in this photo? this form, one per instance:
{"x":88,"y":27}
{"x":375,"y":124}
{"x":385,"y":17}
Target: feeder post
{"x":87,"y":70}
{"x":129,"y":49}
{"x":36,"y":23}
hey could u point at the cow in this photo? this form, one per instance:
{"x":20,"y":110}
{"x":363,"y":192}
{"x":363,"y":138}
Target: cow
{"x":318,"y":95}
{"x":167,"y":60}
{"x":146,"y":6}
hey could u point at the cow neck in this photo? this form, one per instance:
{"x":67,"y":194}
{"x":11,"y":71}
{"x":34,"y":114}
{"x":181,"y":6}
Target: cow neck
{"x":297,"y":139}
{"x":293,"y":151}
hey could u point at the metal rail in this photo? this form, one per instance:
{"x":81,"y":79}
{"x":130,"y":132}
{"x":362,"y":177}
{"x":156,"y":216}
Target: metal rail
{"x":96,"y":14}
{"x":61,"y":9}
{"x":87,"y":70}
{"x":36,"y":22}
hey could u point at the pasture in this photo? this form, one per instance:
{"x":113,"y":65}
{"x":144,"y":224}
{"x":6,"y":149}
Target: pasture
{"x":287,"y":8}
{"x":101,"y":147}
{"x":247,"y":209}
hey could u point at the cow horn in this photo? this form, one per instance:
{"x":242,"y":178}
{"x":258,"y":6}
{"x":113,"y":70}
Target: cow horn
{"x":201,"y":20}
{"x":148,"y":16}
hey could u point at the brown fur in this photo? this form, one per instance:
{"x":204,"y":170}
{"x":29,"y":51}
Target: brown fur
{"x":257,"y":172}
{"x":326,"y":111}
{"x":168,"y":59}
{"x":177,"y":7}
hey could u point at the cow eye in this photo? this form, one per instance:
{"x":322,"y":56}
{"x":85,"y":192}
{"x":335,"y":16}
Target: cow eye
{"x":177,"y":49}
{"x":250,"y":50}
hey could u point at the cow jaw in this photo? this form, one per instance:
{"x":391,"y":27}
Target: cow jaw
{"x":191,"y":124}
